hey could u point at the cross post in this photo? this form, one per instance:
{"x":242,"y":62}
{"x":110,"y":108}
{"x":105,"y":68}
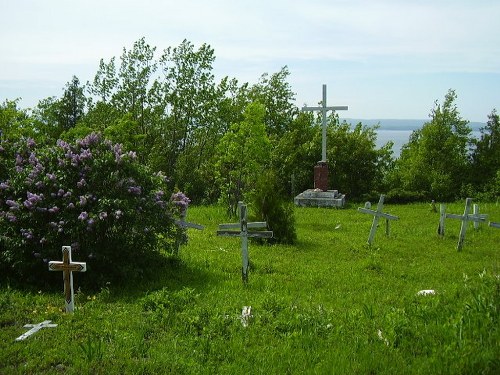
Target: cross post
{"x":324,"y":109}
{"x":182,"y":224}
{"x":465,"y":218}
{"x":68,"y":267}
{"x":376,"y":217}
{"x":35,"y":328}
{"x":244,"y":234}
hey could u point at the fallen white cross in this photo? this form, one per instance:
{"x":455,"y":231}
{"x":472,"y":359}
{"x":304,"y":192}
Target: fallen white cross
{"x":35,"y":328}
{"x":426,"y":292}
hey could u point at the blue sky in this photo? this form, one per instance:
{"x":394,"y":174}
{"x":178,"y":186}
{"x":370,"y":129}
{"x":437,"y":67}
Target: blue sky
{"x":382,"y":58}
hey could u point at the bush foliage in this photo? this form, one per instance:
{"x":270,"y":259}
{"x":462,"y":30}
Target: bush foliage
{"x":91,"y":195}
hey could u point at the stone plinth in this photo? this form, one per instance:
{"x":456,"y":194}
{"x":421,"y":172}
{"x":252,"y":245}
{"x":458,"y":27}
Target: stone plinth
{"x":319,"y":198}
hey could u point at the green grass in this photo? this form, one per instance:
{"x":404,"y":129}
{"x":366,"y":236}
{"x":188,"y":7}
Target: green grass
{"x":329,"y":304}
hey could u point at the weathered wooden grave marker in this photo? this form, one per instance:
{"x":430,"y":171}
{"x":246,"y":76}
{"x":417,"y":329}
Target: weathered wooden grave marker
{"x":35,"y":328}
{"x":244,"y":234}
{"x":494,"y":225}
{"x":376,"y":217}
{"x":183,"y":224}
{"x":68,"y":267}
{"x":465,"y":218}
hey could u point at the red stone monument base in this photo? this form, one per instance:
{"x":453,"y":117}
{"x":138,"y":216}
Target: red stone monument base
{"x":321,"y":176}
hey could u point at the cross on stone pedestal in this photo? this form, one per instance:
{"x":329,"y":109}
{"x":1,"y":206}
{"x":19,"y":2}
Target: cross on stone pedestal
{"x":35,"y":328}
{"x":68,"y":267}
{"x":465,"y":218}
{"x":376,"y":217}
{"x":321,"y":170}
{"x":244,"y":234}
{"x":183,"y":224}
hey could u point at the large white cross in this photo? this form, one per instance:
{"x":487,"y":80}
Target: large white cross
{"x":324,"y":109}
{"x":35,"y":328}
{"x":376,"y":216}
{"x":244,"y":234}
{"x":68,"y":267}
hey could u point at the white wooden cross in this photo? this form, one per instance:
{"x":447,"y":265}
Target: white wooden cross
{"x":68,"y":267}
{"x":35,"y":328}
{"x":494,"y":225}
{"x":324,"y":109}
{"x":376,"y":216}
{"x":183,"y":224}
{"x":244,"y":234}
{"x":465,"y":218}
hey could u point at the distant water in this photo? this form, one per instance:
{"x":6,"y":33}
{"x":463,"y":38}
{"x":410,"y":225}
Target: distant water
{"x":399,"y":131}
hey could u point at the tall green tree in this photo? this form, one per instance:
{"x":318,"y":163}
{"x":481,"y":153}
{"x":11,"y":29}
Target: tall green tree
{"x":242,"y":156}
{"x":485,"y":161}
{"x":15,"y":122}
{"x":435,"y":160}
{"x":275,"y":92}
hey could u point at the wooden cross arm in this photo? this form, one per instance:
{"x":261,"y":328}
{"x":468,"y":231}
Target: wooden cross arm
{"x":61,"y":266}
{"x":185,"y":225}
{"x":377,"y":213}
{"x":477,"y":218}
{"x":494,"y":225}
{"x":256,"y":234}
{"x":251,"y":225}
{"x":334,"y":108}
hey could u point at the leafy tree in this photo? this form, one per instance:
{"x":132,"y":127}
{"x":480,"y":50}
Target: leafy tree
{"x":277,"y":96}
{"x":15,"y":122}
{"x":242,"y":155}
{"x":486,"y":157}
{"x":435,"y":159}
{"x":72,"y":105}
{"x":356,"y":166}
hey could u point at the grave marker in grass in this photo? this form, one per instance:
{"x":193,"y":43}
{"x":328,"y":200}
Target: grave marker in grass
{"x":376,"y":217}
{"x":67,"y":266}
{"x":35,"y":328}
{"x":465,"y":218}
{"x":183,"y":224}
{"x":243,"y":232}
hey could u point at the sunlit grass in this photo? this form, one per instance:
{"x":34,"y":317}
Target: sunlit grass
{"x":328,"y":304}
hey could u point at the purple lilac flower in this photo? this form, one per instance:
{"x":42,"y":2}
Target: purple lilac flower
{"x":13,"y":205}
{"x":60,"y":192}
{"x":30,"y":142}
{"x":39,"y":185}
{"x":118,"y":214}
{"x":64,"y":145}
{"x":83,"y":216}
{"x":71,"y":205}
{"x":83,"y":200}
{"x":81,"y":183}
{"x":32,"y":159}
{"x":54,"y":210}
{"x":51,"y":176}
{"x":103,"y":215}
{"x":85,"y":154}
{"x":135,"y":190}
{"x":180,"y":200}
{"x":19,"y":159}
{"x":11,"y":217}
{"x":27,"y":234}
{"x":4,"y":186}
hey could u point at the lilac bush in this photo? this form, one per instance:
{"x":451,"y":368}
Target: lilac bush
{"x":92,"y":195}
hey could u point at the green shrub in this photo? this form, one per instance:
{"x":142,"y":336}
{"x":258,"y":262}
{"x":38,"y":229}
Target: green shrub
{"x":269,"y":205}
{"x":91,"y":195}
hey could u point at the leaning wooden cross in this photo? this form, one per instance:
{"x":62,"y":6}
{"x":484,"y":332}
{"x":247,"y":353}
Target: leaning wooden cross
{"x":68,"y":267}
{"x":376,"y":217}
{"x":465,"y":218}
{"x":35,"y":328}
{"x":475,"y":217}
{"x":183,"y":224}
{"x":244,"y":234}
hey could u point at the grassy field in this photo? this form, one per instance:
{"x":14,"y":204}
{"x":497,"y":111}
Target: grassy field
{"x":328,"y":305}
